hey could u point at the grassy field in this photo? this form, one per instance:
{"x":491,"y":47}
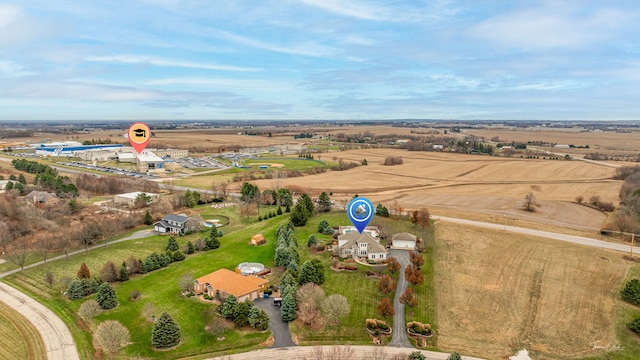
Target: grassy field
{"x":497,"y":293}
{"x":159,"y":287}
{"x":20,"y":339}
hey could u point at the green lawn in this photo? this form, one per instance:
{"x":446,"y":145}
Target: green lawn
{"x":159,"y":287}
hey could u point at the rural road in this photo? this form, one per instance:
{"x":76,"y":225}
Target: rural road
{"x":399,"y":336}
{"x":334,"y":352}
{"x":580,"y":240}
{"x":55,"y":334}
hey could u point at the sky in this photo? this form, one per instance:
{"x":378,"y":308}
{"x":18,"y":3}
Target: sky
{"x":319,"y":60}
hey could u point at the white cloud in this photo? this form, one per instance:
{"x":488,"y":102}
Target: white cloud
{"x":136,"y":59}
{"x":548,"y":28}
{"x":350,"y":9}
{"x":9,"y":69}
{"x":9,"y":15}
{"x":307,"y":49}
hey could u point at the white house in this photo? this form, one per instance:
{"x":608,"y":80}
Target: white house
{"x":404,"y":240}
{"x":361,"y":245}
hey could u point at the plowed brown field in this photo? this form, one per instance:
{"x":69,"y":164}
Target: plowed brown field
{"x":497,"y":293}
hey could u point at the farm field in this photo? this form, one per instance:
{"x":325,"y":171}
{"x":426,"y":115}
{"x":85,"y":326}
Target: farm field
{"x":20,"y":339}
{"x":553,"y":299}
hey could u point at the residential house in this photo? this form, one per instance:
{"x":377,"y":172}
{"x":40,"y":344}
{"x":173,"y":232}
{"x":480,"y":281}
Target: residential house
{"x":177,"y":224}
{"x":223,"y":283}
{"x":403,"y":240}
{"x":42,"y":197}
{"x":361,"y":245}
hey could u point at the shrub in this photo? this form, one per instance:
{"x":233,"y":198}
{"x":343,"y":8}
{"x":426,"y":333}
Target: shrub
{"x":88,"y":310}
{"x":134,"y":295}
{"x":631,"y":292}
{"x":454,"y":356}
{"x":178,"y":256}
{"x":416,"y":355}
{"x":48,"y":277}
{"x":635,"y":325}
{"x":393,"y":160}
{"x":75,"y":290}
{"x":83,"y":272}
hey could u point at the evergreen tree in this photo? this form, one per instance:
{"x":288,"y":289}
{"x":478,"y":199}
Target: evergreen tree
{"x":190,"y":248}
{"x":106,"y":296}
{"x":312,"y":240}
{"x":166,"y":333}
{"x":312,"y":271}
{"x":229,"y":306}
{"x":454,"y":356}
{"x":83,"y":272}
{"x":279,"y":211}
{"x":289,"y":308}
{"x":124,"y":274}
{"x":306,"y":201}
{"x":9,"y":185}
{"x":19,"y":187}
{"x":324,"y":202}
{"x":75,"y":290}
{"x":254,"y":316}
{"x":172,"y":244}
{"x":241,"y":313}
{"x":382,"y":211}
{"x":631,"y":292}
{"x":148,"y":219}
{"x":177,"y":256}
{"x":299,"y":215}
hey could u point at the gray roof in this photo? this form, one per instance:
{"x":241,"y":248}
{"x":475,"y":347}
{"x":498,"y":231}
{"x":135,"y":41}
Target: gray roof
{"x":39,"y":196}
{"x":173,"y":217}
{"x":354,"y":238}
{"x":404,"y":236}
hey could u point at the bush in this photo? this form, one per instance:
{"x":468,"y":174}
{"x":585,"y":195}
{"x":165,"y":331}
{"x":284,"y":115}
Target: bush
{"x":631,"y":292}
{"x":635,"y":325}
{"x":134,"y":295}
{"x":88,"y":310}
{"x":416,"y":355}
{"x":75,"y":290}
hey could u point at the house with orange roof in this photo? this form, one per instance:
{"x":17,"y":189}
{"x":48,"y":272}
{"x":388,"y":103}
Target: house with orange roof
{"x":223,"y":282}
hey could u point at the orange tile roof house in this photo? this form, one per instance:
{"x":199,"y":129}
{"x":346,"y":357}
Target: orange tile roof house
{"x":226,"y":282}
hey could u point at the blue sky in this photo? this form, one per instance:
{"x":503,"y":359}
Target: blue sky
{"x":319,"y":59}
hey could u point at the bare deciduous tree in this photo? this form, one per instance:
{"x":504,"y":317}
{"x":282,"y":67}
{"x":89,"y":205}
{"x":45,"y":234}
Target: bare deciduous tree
{"x":111,"y":335}
{"x":148,"y":310}
{"x":530,"y":202}
{"x":310,"y":297}
{"x":335,"y":307}
{"x":88,"y":310}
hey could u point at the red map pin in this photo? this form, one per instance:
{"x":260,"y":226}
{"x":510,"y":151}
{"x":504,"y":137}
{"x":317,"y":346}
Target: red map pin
{"x":139,"y":136}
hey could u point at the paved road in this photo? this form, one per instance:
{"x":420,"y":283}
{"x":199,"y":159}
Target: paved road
{"x":334,"y":352}
{"x":545,"y":234}
{"x":399,"y":336}
{"x":279,"y":328}
{"x":57,"y":338}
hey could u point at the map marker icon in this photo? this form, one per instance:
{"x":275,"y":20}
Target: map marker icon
{"x":360,"y":212}
{"x":139,"y":135}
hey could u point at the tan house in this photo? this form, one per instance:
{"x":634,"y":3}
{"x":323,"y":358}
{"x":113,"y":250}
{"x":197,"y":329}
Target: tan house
{"x":42,"y":197}
{"x":226,"y":282}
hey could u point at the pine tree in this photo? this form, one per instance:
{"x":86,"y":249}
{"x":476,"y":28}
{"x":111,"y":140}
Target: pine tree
{"x":166,"y":333}
{"x":22,"y":180}
{"x":254,"y":316}
{"x":75,"y":290}
{"x":229,"y":306}
{"x":83,"y":272}
{"x":241,"y":313}
{"x":148,"y":219}
{"x":299,"y":215}
{"x":454,"y":356}
{"x":312,"y":240}
{"x":172,"y":244}
{"x":124,"y":274}
{"x":106,"y":297}
{"x":190,"y":248}
{"x":289,"y":308}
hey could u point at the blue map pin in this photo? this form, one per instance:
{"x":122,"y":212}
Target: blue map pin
{"x":360,"y":212}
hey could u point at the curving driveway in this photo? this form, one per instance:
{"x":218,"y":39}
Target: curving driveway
{"x":399,"y":336}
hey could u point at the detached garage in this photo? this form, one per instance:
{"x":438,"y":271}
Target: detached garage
{"x":403,"y":241}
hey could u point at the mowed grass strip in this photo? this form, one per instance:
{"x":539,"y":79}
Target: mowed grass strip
{"x":20,"y":339}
